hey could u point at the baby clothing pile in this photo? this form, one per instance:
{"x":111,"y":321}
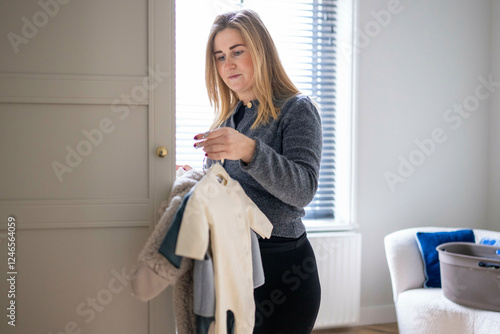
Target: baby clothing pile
{"x":205,"y":245}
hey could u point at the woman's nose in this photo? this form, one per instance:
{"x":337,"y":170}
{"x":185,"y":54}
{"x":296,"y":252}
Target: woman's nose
{"x":230,"y":64}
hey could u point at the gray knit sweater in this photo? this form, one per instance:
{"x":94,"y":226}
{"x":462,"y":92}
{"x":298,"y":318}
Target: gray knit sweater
{"x":282,"y":177}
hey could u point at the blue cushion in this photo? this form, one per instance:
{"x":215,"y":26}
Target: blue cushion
{"x":428,"y":241}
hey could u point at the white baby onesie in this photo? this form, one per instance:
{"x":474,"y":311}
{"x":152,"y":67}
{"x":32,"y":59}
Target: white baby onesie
{"x":227,"y":213}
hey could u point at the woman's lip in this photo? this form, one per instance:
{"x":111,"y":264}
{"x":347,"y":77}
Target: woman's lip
{"x":234,"y":76}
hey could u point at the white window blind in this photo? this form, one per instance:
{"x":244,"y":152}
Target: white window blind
{"x":306,"y":35}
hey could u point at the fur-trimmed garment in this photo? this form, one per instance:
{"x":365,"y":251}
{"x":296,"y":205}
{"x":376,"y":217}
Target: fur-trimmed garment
{"x":153,"y":273}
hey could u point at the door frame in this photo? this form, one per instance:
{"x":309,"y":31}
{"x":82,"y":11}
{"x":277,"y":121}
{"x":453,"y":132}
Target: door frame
{"x":161,"y":48}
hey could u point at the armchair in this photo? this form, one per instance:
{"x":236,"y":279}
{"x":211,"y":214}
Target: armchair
{"x":426,"y":310}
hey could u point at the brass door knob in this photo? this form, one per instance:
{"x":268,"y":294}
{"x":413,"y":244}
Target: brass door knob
{"x":161,"y":151}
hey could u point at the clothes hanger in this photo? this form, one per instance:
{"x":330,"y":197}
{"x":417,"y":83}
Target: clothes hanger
{"x":208,"y":165}
{"x":222,"y":178}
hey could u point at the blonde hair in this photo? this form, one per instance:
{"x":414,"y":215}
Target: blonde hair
{"x":271,"y":85}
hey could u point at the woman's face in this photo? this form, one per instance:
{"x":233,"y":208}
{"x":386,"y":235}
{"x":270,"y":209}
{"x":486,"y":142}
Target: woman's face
{"x":234,"y":63}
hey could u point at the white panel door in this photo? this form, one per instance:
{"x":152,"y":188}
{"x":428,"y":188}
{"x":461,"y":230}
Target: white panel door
{"x":86,"y":97}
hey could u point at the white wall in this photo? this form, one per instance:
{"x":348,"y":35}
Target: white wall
{"x":426,"y":59}
{"x":494,"y":173}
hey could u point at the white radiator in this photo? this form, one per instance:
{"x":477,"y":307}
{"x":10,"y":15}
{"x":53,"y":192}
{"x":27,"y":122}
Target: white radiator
{"x":338,"y":255}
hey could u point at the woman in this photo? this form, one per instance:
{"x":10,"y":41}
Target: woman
{"x":269,"y":136}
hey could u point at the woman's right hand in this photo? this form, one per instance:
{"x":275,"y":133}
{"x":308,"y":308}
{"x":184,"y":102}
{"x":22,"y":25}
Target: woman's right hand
{"x":226,"y":143}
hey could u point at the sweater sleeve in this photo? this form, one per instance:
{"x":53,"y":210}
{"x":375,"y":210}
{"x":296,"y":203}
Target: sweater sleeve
{"x":292,"y":176}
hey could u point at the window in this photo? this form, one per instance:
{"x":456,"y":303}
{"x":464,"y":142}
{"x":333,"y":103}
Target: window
{"x":311,"y":36}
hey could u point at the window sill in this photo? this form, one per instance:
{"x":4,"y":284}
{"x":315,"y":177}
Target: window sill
{"x":328,"y":225}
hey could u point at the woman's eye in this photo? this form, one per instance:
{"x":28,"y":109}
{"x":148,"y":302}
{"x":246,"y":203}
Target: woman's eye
{"x":237,"y":53}
{"x":220,"y":58}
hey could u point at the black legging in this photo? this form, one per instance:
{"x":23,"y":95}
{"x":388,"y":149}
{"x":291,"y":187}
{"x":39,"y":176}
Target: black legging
{"x":289,"y":300}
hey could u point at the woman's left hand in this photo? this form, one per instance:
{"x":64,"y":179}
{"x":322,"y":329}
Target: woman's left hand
{"x":226,"y":143}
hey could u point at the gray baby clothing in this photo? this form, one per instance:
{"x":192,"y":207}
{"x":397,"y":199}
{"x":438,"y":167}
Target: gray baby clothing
{"x":203,"y":280}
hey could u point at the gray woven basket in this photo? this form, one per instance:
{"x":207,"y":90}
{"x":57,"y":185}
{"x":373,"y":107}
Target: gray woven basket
{"x":470,"y":274}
